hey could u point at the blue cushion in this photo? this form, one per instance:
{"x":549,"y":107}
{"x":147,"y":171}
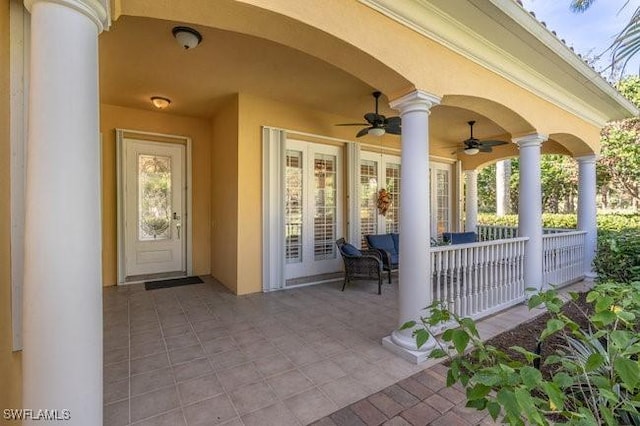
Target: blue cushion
{"x":460,"y":237}
{"x":382,"y":241}
{"x":396,"y":241}
{"x":351,"y":250}
{"x":395,"y":259}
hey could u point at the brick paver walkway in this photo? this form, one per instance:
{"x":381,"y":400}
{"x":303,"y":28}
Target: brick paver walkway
{"x":422,"y":399}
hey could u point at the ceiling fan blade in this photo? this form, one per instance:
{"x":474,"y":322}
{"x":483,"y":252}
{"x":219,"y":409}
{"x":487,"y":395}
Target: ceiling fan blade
{"x":493,"y":143}
{"x":394,"y":130}
{"x":393,"y":121}
{"x":352,"y":124}
{"x":485,"y":148}
{"x":363,"y":132}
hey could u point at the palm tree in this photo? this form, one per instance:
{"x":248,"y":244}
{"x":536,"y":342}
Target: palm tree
{"x":627,"y":41}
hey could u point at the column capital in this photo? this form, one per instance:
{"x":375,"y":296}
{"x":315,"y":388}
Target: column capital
{"x":533,"y":139}
{"x":470,"y":172}
{"x":415,"y":101}
{"x":587,"y":159}
{"x":96,"y":10}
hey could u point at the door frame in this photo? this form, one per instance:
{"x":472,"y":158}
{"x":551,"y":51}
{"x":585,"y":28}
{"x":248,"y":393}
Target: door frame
{"x":121,"y":135}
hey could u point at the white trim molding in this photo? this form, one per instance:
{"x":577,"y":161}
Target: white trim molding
{"x":273,"y":189}
{"x":19,"y":24}
{"x":121,"y":135}
{"x":554,"y":72}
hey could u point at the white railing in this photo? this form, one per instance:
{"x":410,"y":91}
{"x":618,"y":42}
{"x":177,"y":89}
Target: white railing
{"x":496,"y":232}
{"x":478,"y":279}
{"x":563,"y":257}
{"x":500,"y":232}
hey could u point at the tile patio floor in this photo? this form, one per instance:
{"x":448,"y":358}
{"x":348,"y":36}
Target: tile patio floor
{"x":198,"y":355}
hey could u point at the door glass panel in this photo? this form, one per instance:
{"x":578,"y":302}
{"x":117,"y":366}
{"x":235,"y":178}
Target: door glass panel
{"x":392,"y":179}
{"x":154,"y":197}
{"x":368,"y":194}
{"x":325,"y":215}
{"x":442,"y":201}
{"x":293,"y":207}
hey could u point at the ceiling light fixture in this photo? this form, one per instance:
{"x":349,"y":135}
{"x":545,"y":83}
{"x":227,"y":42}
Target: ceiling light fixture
{"x":187,"y":37}
{"x":376,"y":131}
{"x":160,"y":102}
{"x":471,"y":151}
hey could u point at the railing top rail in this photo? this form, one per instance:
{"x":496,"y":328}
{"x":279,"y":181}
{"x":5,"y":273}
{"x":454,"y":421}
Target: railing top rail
{"x":563,"y":234}
{"x":478,"y":244}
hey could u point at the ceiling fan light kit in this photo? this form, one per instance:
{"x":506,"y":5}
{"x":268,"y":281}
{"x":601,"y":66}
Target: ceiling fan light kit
{"x":473,"y":146}
{"x":377,"y":124}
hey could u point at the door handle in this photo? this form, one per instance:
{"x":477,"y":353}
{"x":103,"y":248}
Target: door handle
{"x":179,"y":224}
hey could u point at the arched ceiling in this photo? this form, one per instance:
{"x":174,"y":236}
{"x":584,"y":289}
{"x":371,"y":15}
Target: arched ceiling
{"x":139,"y":58}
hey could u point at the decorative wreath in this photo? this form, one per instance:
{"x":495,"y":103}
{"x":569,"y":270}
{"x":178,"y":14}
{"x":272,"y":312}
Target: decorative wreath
{"x":384,"y":201}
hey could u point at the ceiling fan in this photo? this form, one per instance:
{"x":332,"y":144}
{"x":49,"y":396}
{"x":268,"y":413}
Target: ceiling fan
{"x":472,"y":146}
{"x":377,"y":124}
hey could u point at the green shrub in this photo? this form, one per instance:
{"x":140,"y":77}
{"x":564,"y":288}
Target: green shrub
{"x":606,"y":222}
{"x":618,"y":256}
{"x":597,"y":371}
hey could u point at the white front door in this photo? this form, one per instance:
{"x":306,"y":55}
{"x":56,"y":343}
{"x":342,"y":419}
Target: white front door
{"x":313,"y":209}
{"x":153,"y":175}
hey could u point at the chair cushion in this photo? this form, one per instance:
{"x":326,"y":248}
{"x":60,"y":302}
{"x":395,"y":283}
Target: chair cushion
{"x":460,"y":237}
{"x":382,"y":241}
{"x":395,"y":259}
{"x":396,"y":241}
{"x":351,"y":250}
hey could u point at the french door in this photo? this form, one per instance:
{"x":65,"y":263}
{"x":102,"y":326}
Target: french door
{"x":313,"y":208}
{"x":377,"y":172}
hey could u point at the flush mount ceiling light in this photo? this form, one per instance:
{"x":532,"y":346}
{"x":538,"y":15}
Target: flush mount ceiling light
{"x":187,"y":37}
{"x":160,"y":102}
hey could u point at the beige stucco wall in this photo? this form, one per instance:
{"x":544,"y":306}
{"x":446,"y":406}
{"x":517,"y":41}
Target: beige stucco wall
{"x":10,"y":363}
{"x":224,"y":196}
{"x":199,"y":130}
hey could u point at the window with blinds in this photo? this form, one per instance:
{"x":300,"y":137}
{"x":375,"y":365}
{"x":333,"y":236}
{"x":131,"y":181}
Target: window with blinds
{"x":293,"y":207}
{"x":368,"y":196}
{"x":324,"y":221}
{"x":392,"y":180}
{"x":443,"y":201}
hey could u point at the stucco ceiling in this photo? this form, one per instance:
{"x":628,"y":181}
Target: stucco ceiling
{"x":139,"y":58}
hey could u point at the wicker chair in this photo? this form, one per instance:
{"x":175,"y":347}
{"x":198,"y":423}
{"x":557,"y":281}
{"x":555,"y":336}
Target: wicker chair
{"x":360,"y":264}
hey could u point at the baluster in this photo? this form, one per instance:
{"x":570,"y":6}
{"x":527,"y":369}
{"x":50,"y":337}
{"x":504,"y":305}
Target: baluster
{"x":461,"y":271}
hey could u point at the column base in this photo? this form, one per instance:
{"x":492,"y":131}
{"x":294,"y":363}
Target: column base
{"x":414,"y":356}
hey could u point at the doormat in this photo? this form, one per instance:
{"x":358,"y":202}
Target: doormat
{"x":153,"y":285}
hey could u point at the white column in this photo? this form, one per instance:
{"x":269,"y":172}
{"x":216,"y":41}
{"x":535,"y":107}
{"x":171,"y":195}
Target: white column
{"x":530,"y":207}
{"x":62,"y":356}
{"x":415,"y":291}
{"x":587,"y":208}
{"x":471,"y":201}
{"x":503,"y":175}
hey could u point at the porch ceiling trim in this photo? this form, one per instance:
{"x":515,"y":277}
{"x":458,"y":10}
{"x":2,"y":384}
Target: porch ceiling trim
{"x":512,"y":60}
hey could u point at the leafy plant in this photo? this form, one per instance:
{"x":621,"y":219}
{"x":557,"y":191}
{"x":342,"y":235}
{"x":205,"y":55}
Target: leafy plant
{"x":618,"y":256}
{"x":597,"y":371}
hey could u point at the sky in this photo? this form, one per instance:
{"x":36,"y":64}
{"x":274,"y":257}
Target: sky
{"x":590,"y":32}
